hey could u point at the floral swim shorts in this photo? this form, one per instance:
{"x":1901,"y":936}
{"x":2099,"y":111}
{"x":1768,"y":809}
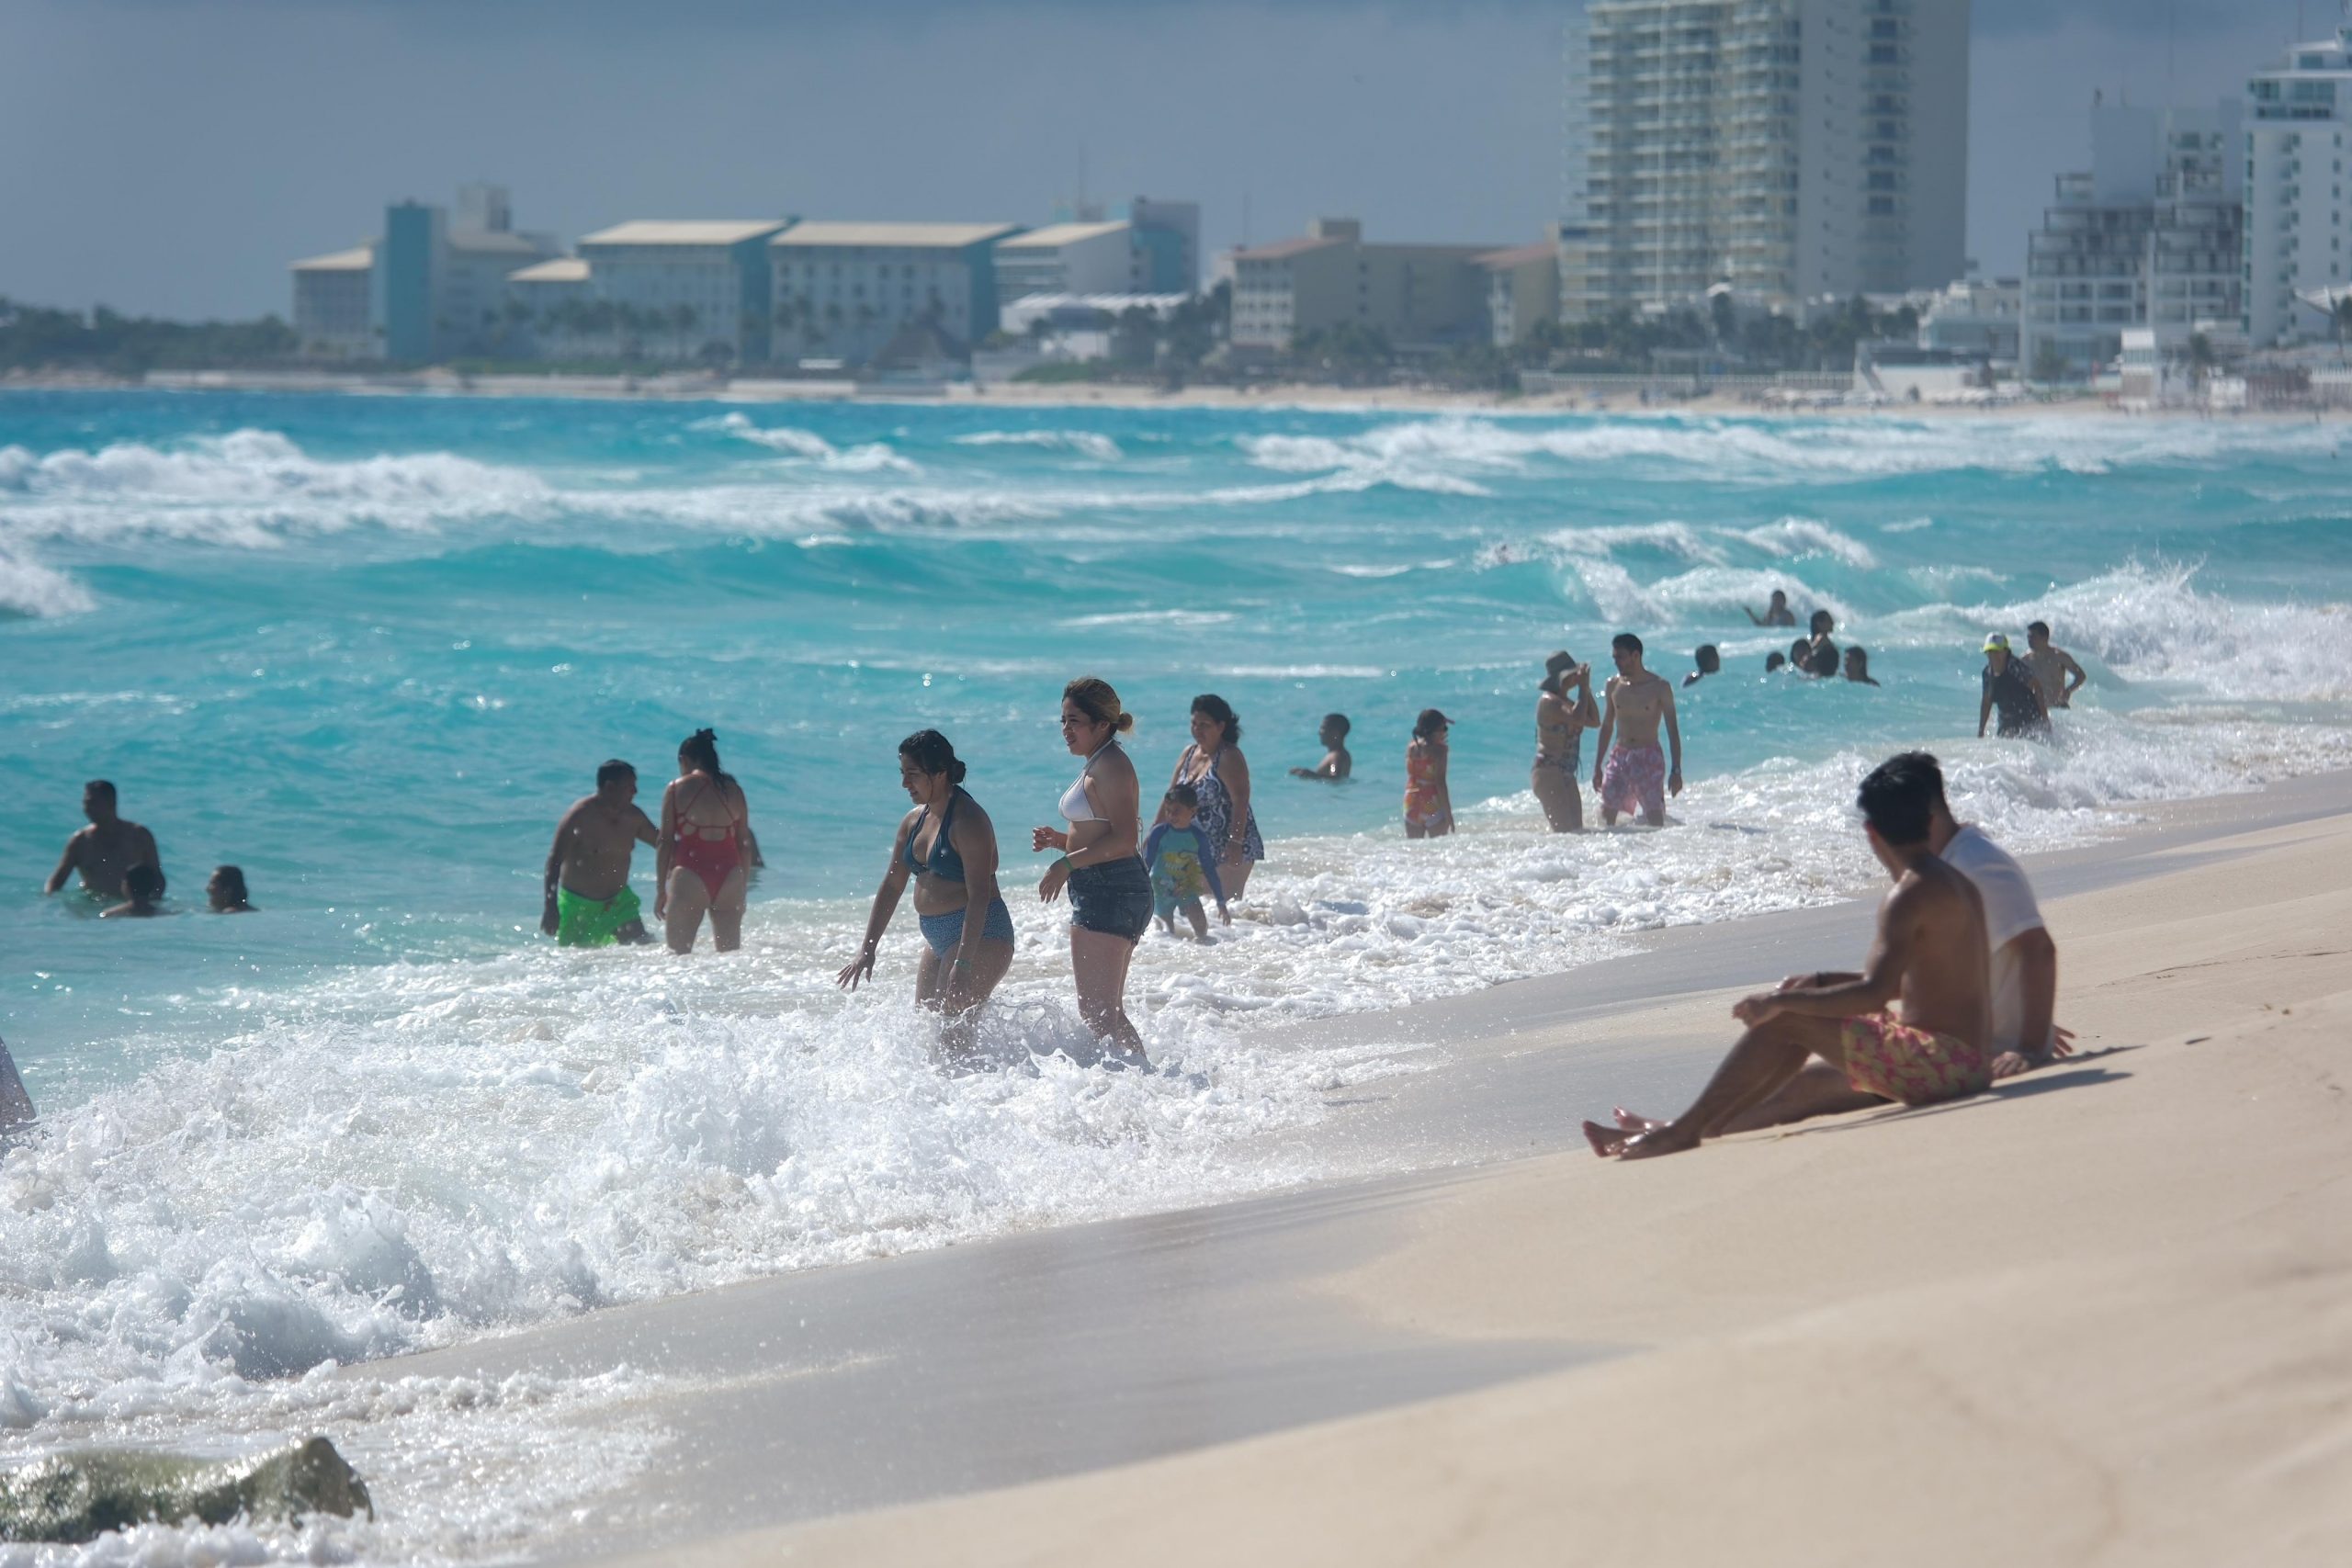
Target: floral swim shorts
{"x":1887,"y":1057}
{"x":1634,"y":779}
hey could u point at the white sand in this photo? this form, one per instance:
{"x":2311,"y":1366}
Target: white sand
{"x":2104,"y":1321}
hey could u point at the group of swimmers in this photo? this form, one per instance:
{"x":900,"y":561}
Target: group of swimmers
{"x":1203,"y":844}
{"x":117,"y":858}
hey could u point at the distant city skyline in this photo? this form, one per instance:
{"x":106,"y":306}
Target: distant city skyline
{"x":187,"y":152}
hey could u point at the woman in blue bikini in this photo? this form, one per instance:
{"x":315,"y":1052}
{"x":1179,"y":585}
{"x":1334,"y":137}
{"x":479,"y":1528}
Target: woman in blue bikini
{"x":948,"y":845}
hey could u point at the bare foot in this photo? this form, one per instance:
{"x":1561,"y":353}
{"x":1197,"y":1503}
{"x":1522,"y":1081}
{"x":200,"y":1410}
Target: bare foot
{"x":1669,"y":1139}
{"x":1632,"y":1123}
{"x":1605,"y":1141}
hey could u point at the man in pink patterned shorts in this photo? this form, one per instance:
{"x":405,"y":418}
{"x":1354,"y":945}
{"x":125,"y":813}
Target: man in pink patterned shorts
{"x":1930,"y":951}
{"x":1633,"y":775}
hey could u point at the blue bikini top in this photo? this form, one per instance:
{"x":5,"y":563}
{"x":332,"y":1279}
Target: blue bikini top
{"x":945,"y":863}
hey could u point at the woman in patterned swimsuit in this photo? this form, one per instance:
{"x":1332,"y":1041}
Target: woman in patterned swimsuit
{"x":1562,"y":713}
{"x":1219,"y":775}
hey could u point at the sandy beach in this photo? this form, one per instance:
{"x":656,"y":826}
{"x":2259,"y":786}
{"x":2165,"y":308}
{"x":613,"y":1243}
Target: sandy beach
{"x":698,"y":386}
{"x":2095,"y":1315}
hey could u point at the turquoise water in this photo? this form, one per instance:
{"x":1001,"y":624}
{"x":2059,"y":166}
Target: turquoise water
{"x":369,"y":648}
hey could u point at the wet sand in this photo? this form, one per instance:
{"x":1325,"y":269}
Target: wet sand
{"x":1844,"y":1335}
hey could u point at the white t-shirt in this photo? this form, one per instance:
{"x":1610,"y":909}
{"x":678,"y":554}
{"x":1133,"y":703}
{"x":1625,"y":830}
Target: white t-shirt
{"x":2010,"y":913}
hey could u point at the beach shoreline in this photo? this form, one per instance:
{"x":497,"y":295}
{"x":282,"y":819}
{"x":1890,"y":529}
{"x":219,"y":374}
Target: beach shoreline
{"x":688,"y":387}
{"x":1265,"y":1321}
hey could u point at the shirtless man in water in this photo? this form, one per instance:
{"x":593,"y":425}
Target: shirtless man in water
{"x":1931,"y":951}
{"x":106,"y":849}
{"x":1635,"y":774}
{"x":589,"y":901}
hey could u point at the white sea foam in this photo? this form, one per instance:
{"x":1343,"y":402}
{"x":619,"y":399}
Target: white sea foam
{"x":1777,"y":450}
{"x":872,"y":456}
{"x":1085,"y":443}
{"x":1799,"y":536}
{"x":28,"y":588}
{"x":252,"y":489}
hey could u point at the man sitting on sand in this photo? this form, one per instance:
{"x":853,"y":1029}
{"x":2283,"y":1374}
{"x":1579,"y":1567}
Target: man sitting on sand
{"x":1776,"y":613}
{"x":106,"y":850}
{"x":2024,"y":968}
{"x":142,"y":885}
{"x":1930,"y":951}
{"x":1337,"y":763}
{"x":589,"y":902}
{"x":1634,"y":774}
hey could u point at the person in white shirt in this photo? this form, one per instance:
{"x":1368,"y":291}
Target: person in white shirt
{"x":2025,"y":977}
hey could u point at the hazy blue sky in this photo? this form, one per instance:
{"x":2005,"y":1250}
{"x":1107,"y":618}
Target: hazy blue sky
{"x":172,"y":156}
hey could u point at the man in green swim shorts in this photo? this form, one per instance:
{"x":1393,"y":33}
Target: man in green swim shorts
{"x":589,"y":903}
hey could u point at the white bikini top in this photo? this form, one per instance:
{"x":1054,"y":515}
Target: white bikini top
{"x":1075,"y":806}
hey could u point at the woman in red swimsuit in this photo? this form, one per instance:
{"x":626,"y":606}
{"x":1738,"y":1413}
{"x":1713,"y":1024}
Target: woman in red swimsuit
{"x":704,"y":856}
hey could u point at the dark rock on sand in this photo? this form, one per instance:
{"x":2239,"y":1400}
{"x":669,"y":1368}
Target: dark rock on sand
{"x":81,"y":1495}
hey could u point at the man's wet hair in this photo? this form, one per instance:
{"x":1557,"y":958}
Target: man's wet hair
{"x":100,"y":787}
{"x":1185,"y":796}
{"x":1709,"y":658}
{"x":1899,"y":797}
{"x":2042,"y":627}
{"x":1338,"y":721}
{"x":232,"y":884}
{"x":612,"y":772}
{"x":1775,"y":662}
{"x":1627,"y":642}
{"x":143,"y":882}
{"x":1823,"y":621}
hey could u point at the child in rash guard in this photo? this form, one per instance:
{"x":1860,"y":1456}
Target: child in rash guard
{"x":1181,"y":867}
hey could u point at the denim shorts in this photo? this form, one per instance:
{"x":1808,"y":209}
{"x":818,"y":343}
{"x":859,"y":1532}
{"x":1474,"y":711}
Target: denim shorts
{"x":1113,"y":899}
{"x":944,"y":931}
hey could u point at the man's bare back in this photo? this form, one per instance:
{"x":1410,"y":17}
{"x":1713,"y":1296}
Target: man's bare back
{"x":1947,"y":977}
{"x":1928,"y":953}
{"x":102,"y":852}
{"x":595,"y":843}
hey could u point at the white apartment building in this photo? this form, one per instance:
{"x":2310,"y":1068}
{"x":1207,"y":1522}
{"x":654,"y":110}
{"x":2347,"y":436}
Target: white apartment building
{"x":844,"y":290}
{"x":1793,"y":149}
{"x":556,"y":312}
{"x":1069,"y":258}
{"x":686,"y":291}
{"x":2148,"y":237}
{"x":2298,"y":223}
{"x":331,"y":316}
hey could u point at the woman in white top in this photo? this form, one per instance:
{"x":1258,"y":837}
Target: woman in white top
{"x":1110,"y":892}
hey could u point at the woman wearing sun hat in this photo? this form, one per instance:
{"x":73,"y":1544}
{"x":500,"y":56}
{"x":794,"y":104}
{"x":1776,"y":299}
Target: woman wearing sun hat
{"x":2010,"y":687}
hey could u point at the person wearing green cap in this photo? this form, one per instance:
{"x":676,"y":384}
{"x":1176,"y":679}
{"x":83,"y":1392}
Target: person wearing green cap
{"x":2009,"y":688}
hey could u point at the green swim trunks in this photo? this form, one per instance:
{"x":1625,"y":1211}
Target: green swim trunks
{"x":585,"y":923}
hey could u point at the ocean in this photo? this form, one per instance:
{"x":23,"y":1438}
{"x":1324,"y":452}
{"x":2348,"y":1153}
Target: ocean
{"x":369,"y":648}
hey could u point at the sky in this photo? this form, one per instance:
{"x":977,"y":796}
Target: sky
{"x":171,"y":157}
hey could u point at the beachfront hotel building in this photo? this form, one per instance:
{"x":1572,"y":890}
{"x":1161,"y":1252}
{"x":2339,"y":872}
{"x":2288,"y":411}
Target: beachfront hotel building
{"x":696,"y":291}
{"x":1522,"y":289}
{"x":1140,"y":247}
{"x":435,"y":279}
{"x":1066,"y":258}
{"x":842,"y":291}
{"x":1418,"y":297}
{"x":2149,"y":236}
{"x":2298,"y":245}
{"x":1792,"y":149}
{"x":331,"y":314}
